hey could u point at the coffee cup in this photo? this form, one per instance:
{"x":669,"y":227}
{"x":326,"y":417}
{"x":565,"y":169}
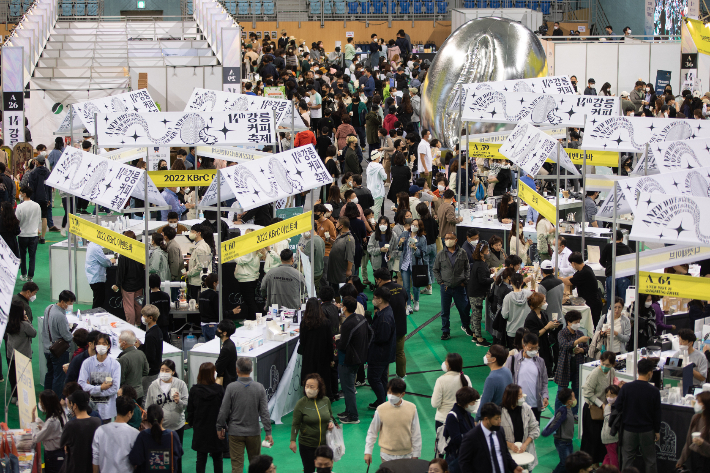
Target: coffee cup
{"x":173,"y":392}
{"x":695,"y":435}
{"x":554,"y":316}
{"x":565,"y":194}
{"x":387,"y":245}
{"x":327,"y":234}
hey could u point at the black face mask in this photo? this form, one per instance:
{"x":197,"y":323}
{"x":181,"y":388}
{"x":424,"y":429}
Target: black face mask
{"x":219,"y":335}
{"x":494,"y":428}
{"x":163,"y":168}
{"x":326,"y":469}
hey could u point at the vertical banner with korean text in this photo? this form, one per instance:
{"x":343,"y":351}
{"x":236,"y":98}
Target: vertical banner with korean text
{"x":231,"y":60}
{"x":13,"y":115}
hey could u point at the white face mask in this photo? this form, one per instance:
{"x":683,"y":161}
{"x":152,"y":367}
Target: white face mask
{"x":557,"y":27}
{"x":647,"y":304}
{"x":354,"y":201}
{"x":173,"y":225}
{"x":647,"y":89}
{"x":544,"y":306}
{"x":521,"y":401}
{"x":70,"y":308}
{"x":192,"y":236}
{"x":383,"y":228}
{"x":311,"y":393}
{"x":165,"y":376}
{"x":394,"y":399}
{"x":372,"y":221}
{"x":32,"y":299}
{"x":415,"y":229}
{"x":532,"y":353}
{"x":610,"y":400}
{"x":485,"y":360}
{"x":328,"y":214}
{"x":143,"y":321}
{"x":441,"y":188}
{"x":576,"y":326}
{"x":450,"y":243}
{"x":472,"y":408}
{"x":41,"y":408}
{"x":444,"y":368}
{"x":698,"y":407}
{"x":101,"y":349}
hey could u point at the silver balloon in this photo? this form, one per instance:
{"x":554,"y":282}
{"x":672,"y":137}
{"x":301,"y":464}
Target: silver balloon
{"x":483,"y":50}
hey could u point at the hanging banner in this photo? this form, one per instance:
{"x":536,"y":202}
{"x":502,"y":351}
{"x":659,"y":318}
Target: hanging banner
{"x":540,"y":109}
{"x":9,"y":264}
{"x":700,"y":35}
{"x":231,"y":47}
{"x":124,"y":155}
{"x":671,"y":219}
{"x":100,"y":180}
{"x":191,"y":178}
{"x":674,"y":285}
{"x":109,"y":239}
{"x":285,"y":213}
{"x":26,"y":399}
{"x":230,"y":153}
{"x":288,"y":393}
{"x":690,"y":182}
{"x":13,"y":99}
{"x":538,"y":202}
{"x":537,"y":85}
{"x":501,"y":136}
{"x":266,"y":236}
{"x":607,"y":207}
{"x":651,"y":260}
{"x":594,"y":158}
{"x":134,"y":101}
{"x":528,"y":148}
{"x":186,"y":128}
{"x":632,"y":133}
{"x":267,"y":180}
{"x":205,"y":100}
{"x":65,"y":128}
{"x":677,"y":155}
{"x":602,"y":182}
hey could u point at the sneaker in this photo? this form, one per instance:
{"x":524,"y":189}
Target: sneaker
{"x":54,"y":229}
{"x":349,"y":420}
{"x":63,"y":232}
{"x":373,"y":405}
{"x":343,"y":415}
{"x":409,"y":309}
{"x":416,"y":306}
{"x":482,"y":343}
{"x":23,"y":278}
{"x":576,"y":419}
{"x":426,"y":291}
{"x":360,"y":383}
{"x":29,"y":279}
{"x":446,"y":336}
{"x":41,"y":241}
{"x":467,"y":331}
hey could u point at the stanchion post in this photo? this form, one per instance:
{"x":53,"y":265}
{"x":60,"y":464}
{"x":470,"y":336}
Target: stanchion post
{"x":70,"y":202}
{"x":218,"y":249}
{"x":557,"y":209}
{"x":458,"y":174}
{"x":96,"y":151}
{"x":146,"y":218}
{"x":636,"y":282}
{"x":313,"y":254}
{"x":584,"y":196}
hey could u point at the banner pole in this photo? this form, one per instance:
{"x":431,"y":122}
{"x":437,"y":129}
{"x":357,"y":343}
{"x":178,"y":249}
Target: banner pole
{"x":313,"y":227}
{"x":96,"y":151}
{"x":612,"y":296}
{"x":468,"y":178}
{"x":218,"y":249}
{"x":516,"y":225}
{"x":69,"y":199}
{"x":75,"y":243}
{"x":458,"y":174}
{"x":636,"y":282}
{"x":584,"y":196}
{"x":146,"y":218}
{"x":557,"y":210}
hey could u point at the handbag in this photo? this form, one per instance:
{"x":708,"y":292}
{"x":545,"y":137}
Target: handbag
{"x":59,"y":347}
{"x":420,"y":275}
{"x":596,"y":412}
{"x":499,"y":323}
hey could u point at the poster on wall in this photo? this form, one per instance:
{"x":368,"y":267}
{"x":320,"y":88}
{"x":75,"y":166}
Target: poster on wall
{"x":632,"y":133}
{"x":671,"y":219}
{"x":9,"y":264}
{"x":540,"y":109}
{"x":157,"y":155}
{"x":663,"y":79}
{"x":134,"y":101}
{"x":186,"y":128}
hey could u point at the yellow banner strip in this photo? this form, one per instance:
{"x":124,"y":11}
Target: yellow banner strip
{"x":537,"y":202}
{"x":594,"y":158}
{"x":199,"y":178}
{"x":116,"y":242}
{"x":258,"y":239}
{"x":674,"y":285}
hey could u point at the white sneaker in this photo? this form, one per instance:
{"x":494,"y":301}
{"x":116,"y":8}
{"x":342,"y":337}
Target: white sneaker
{"x":409,"y":309}
{"x":416,"y":306}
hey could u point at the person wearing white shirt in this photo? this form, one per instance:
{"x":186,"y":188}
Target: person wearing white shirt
{"x":113,"y":441}
{"x":29,"y":214}
{"x":376,"y":177}
{"x":397,"y":424}
{"x":100,"y":376}
{"x":565,"y":269}
{"x":424,"y":156}
{"x":444,"y":396}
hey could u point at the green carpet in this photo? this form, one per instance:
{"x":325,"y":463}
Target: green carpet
{"x":425,"y":353}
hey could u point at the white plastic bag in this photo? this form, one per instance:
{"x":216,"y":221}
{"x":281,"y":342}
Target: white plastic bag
{"x":334,"y":439}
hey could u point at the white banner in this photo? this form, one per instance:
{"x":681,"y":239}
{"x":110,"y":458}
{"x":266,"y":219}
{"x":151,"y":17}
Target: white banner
{"x":229,"y":153}
{"x":676,"y":155}
{"x":205,"y":100}
{"x":671,"y":219}
{"x":186,"y":128}
{"x":528,"y":147}
{"x":632,"y":133}
{"x":540,"y":109}
{"x":124,"y":155}
{"x":135,"y":101}
{"x":9,"y":264}
{"x":690,"y":182}
{"x":100,"y":180}
{"x":289,"y":390}
{"x":651,"y":260}
{"x":267,"y":180}
{"x":67,"y":123}
{"x":537,"y":85}
{"x":607,"y":207}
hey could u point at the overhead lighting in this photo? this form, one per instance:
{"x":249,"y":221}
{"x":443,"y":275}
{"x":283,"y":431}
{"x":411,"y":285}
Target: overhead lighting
{"x":140,"y":4}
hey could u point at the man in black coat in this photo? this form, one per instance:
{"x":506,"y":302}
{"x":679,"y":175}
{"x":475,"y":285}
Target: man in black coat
{"x":398,"y":303}
{"x":153,"y":346}
{"x":355,"y":337}
{"x":484,"y":449}
{"x":226,"y":363}
{"x":261,"y":215}
{"x":383,"y":347}
{"x":605,"y":260}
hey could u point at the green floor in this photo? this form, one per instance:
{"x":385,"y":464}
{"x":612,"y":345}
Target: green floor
{"x":425,"y":353}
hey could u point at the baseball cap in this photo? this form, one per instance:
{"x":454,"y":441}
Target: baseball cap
{"x":413,"y":90}
{"x":592,"y":81}
{"x":624,"y":94}
{"x":413,"y":189}
{"x":547,"y":264}
{"x":40,"y":159}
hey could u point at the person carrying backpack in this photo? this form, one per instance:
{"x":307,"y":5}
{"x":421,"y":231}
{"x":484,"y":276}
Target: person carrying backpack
{"x":562,"y":426}
{"x":458,"y":422}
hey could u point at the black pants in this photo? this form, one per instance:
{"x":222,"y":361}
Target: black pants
{"x":193,"y":292}
{"x":53,"y":460}
{"x":314,"y":125}
{"x":308,"y":458}
{"x":99,"y":291}
{"x":201,"y":464}
{"x":248,"y":291}
{"x":81,"y":204}
{"x":68,"y":204}
{"x":11,"y":374}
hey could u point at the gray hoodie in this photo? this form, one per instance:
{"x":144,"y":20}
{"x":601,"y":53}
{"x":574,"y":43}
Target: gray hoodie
{"x":515,"y":310}
{"x":173,"y":412}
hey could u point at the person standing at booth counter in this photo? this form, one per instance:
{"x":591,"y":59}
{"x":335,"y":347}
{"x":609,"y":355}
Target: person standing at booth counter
{"x":586,"y":283}
{"x":95,"y":267}
{"x":200,"y":258}
{"x":130,"y":279}
{"x":686,"y":339}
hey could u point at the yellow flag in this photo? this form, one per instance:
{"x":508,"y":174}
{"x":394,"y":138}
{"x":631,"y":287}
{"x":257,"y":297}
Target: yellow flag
{"x":245,"y":244}
{"x":700,"y":34}
{"x":199,"y":178}
{"x":594,"y":158}
{"x":674,"y":285}
{"x":116,"y":242}
{"x":537,"y":202}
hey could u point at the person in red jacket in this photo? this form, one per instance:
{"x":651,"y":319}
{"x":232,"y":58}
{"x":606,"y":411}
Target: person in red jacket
{"x":303,"y":138}
{"x":390,"y":119}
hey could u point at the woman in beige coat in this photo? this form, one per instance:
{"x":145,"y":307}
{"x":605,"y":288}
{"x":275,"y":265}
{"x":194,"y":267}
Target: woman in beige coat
{"x":516,"y":412}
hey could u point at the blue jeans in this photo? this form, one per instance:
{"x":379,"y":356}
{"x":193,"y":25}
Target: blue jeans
{"x":377,"y":377}
{"x":622,"y":284}
{"x":575,"y":388}
{"x":55,"y":377}
{"x":407,"y":284}
{"x":564,"y":449}
{"x":28,"y":244}
{"x":347,"y":376}
{"x":452,"y":459}
{"x":430,"y":258}
{"x":208,"y":331}
{"x":458,"y":295}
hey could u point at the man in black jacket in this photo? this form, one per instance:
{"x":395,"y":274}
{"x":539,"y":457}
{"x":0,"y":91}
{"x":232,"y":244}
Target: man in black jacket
{"x":383,"y":347}
{"x":261,"y":215}
{"x":226,"y":363}
{"x":398,"y":304}
{"x":161,"y":300}
{"x":40,"y":192}
{"x":486,"y":444}
{"x":355,"y":336}
{"x":153,"y":346}
{"x":364,"y":196}
{"x":622,"y":284}
{"x":209,"y":308}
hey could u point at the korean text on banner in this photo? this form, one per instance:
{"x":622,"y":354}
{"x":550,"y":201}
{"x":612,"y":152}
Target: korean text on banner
{"x":594,"y":158}
{"x":26,"y":400}
{"x":673,"y":285}
{"x":258,"y":239}
{"x":199,"y":178}
{"x":121,"y":244}
{"x":537,"y":202}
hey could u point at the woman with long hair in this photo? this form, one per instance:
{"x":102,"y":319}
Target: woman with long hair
{"x":130,"y":280}
{"x":158,"y":257}
{"x":401,"y":176}
{"x":545,"y":237}
{"x":202,"y":411}
{"x":507,"y":209}
{"x":156,"y":447}
{"x":518,"y":423}
{"x":20,"y":333}
{"x":496,"y":257}
{"x":431,"y":233}
{"x":49,"y":431}
{"x":458,"y":422}
{"x":605,"y":90}
{"x":358,"y":231}
{"x":446,"y":387}
{"x":9,"y":227}
{"x":400,"y":225}
{"x":335,"y":199}
{"x":312,"y":418}
{"x":345,"y":129}
{"x":479,"y":284}
{"x":539,"y":323}
{"x":378,"y":246}
{"x":453,"y":173}
{"x":412,"y":245}
{"x":403,"y":202}
{"x":517,"y":243}
{"x":316,"y":344}
{"x":405,"y":110}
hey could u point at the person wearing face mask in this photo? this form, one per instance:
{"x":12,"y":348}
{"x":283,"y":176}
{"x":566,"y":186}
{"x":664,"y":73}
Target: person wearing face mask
{"x":479,"y":285}
{"x":586,"y":283}
{"x":397,"y":424}
{"x":95,"y":267}
{"x":412,"y":247}
{"x":100,"y":376}
{"x":78,"y":434}
{"x":312,"y":418}
{"x":447,"y":387}
{"x":153,"y":346}
{"x":56,"y":326}
{"x":201,"y":414}
{"x":469,"y":245}
{"x":498,"y":378}
{"x":696,"y":452}
{"x":201,"y":257}
{"x":611,"y":442}
{"x":573,"y":346}
{"x":383,"y":347}
{"x":351,"y":163}
{"x":562,"y":426}
{"x":486,"y":444}
{"x":114,"y":441}
{"x":158,"y":257}
{"x":515,"y":307}
{"x":174,"y":222}
{"x":593,"y":407}
{"x":323,"y":459}
{"x":29,"y":214}
{"x":176,"y":262}
{"x":529,"y":372}
{"x":539,"y":323}
{"x":686,"y":339}
{"x":638,"y":95}
{"x":170,"y":196}
{"x":209,"y":307}
{"x":459,"y":421}
{"x":622,"y":328}
{"x":49,"y":431}
{"x":130,"y":279}
{"x":351,"y":197}
{"x":134,"y":364}
{"x":376,"y":177}
{"x":304,"y":245}
{"x":226,"y":364}
{"x":518,"y":423}
{"x":25,"y":296}
{"x":451,"y":270}
{"x":18,"y":335}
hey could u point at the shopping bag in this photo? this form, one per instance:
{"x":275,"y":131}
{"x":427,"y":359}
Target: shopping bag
{"x":420,"y":275}
{"x":334,"y":439}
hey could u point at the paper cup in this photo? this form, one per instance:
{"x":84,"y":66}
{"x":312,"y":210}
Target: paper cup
{"x":695,"y":435}
{"x":554,"y":315}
